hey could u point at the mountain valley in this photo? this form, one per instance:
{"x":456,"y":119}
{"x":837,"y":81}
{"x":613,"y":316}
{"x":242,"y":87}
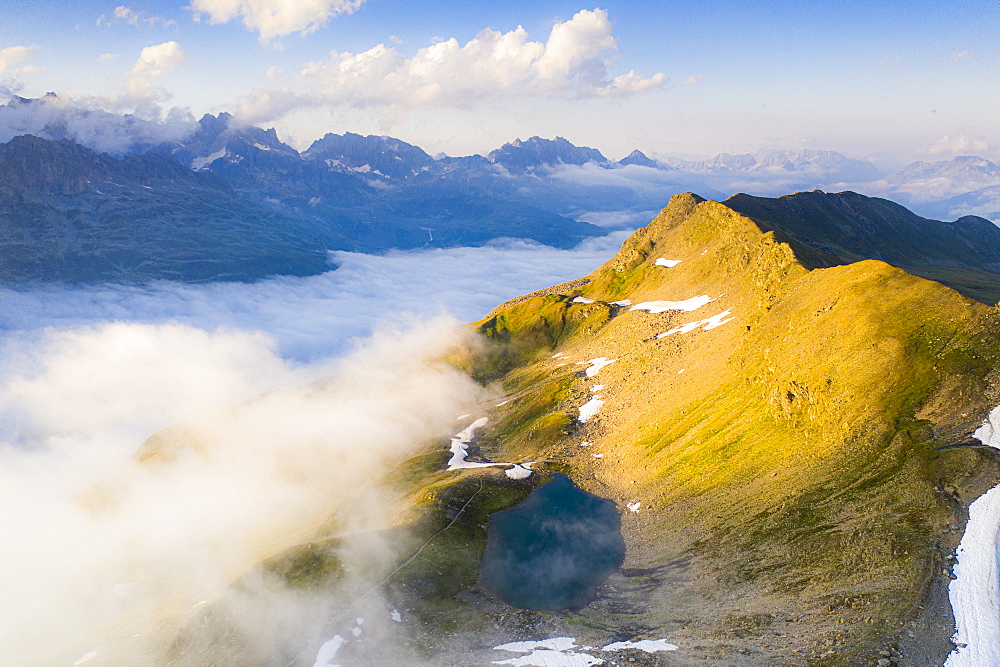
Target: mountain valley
{"x":789,"y":444}
{"x":180,"y":209}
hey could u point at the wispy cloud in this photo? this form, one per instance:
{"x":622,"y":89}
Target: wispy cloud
{"x":574,"y":62}
{"x":693,"y":81}
{"x":958,"y":145}
{"x":141,"y":91}
{"x":960,"y":56}
{"x":272,"y":19}
{"x":123,"y":14}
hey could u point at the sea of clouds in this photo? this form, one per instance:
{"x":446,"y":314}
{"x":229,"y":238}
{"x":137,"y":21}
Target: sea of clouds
{"x":292,"y":395}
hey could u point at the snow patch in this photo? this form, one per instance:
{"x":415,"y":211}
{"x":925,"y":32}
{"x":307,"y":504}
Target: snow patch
{"x":564,"y":652}
{"x":989,"y":432}
{"x":590,"y":409}
{"x":634,"y":506}
{"x":557,"y":652}
{"x":596,"y":388}
{"x":596,"y":365}
{"x":669,"y":263}
{"x":396,"y":616}
{"x":582,"y":299}
{"x":460,"y":447}
{"x":201,"y":162}
{"x":328,"y":652}
{"x":710,"y":323}
{"x":554,"y":644}
{"x":694,"y":303}
{"x":647,"y":645}
{"x":520,"y":470}
{"x":598,"y":456}
{"x":623,"y":303}
{"x":460,"y":452}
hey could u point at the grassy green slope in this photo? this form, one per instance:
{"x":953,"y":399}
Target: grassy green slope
{"x":788,"y":461}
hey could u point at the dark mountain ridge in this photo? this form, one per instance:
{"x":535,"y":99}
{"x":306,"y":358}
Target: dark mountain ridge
{"x":845,"y":227}
{"x":372,"y":193}
{"x":70,"y":214}
{"x":255,"y":209}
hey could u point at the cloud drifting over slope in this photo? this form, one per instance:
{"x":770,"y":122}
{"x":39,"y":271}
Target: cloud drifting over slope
{"x":573,"y":62}
{"x":108,"y":548}
{"x":55,"y":118}
{"x":110,"y":552}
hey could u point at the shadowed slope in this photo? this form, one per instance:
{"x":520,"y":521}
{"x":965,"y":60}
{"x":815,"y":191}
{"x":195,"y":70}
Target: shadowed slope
{"x":847,"y":227}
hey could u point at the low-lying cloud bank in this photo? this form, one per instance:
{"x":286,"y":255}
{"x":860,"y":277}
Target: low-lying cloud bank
{"x":288,"y":410}
{"x":315,"y":317}
{"x":109,"y":552}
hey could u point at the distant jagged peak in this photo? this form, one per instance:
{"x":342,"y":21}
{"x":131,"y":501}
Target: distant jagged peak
{"x":48,"y":98}
{"x":223,"y":137}
{"x":535,"y":152}
{"x":829,"y":165}
{"x":638,"y":158}
{"x":372,"y":155}
{"x":331,"y":142}
{"x":215,"y":125}
{"x":963,"y":165}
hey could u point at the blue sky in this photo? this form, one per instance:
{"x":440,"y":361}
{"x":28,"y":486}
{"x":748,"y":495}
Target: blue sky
{"x":893,"y":81}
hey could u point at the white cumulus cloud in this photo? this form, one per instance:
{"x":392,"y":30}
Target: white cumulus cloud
{"x":153,"y":61}
{"x":272,"y":19}
{"x":574,"y":62}
{"x":12,"y":56}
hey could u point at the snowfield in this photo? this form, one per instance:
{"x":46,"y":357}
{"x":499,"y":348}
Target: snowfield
{"x":975,"y":591}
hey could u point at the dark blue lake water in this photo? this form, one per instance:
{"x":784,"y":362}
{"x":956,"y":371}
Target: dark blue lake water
{"x":553,"y":550}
